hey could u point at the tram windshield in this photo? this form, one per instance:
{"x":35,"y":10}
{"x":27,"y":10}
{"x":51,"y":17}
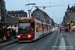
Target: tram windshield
{"x":24,"y":28}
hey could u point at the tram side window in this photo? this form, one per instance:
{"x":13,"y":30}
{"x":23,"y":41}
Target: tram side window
{"x":39,"y":27}
{"x":48,"y":27}
{"x":32,"y":27}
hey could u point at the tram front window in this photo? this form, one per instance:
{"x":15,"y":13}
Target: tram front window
{"x":24,"y":28}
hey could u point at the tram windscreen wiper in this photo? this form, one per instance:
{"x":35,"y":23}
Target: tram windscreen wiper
{"x":24,"y":31}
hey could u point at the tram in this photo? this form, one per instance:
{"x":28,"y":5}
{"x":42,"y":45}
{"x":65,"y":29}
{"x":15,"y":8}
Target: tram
{"x":30,"y":29}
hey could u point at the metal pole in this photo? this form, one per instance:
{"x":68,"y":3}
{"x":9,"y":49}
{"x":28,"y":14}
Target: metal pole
{"x":70,"y":23}
{"x":29,"y":12}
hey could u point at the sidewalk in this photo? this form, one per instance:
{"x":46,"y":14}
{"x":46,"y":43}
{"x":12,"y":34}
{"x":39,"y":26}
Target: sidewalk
{"x":8,"y":42}
{"x":69,"y":39}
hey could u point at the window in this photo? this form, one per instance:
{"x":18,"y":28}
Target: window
{"x":71,"y":18}
{"x":44,"y":27}
{"x":71,"y":14}
{"x":21,"y":14}
{"x":68,"y":14}
{"x":37,"y":16}
{"x":15,"y":15}
{"x":68,"y":10}
{"x":44,"y":19}
{"x":48,"y":27}
{"x":18,"y":17}
{"x":0,"y":17}
{"x":18,"y":14}
{"x":37,"y":13}
{"x":71,"y":10}
{"x":33,"y":13}
{"x":38,"y":27}
{"x":8,"y":14}
{"x":24,"y":28}
{"x":0,"y":10}
{"x":11,"y":14}
{"x":41,"y":12}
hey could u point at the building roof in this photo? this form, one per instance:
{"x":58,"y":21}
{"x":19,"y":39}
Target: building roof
{"x":73,"y":7}
{"x":41,"y":11}
{"x":68,"y":7}
{"x":19,"y":11}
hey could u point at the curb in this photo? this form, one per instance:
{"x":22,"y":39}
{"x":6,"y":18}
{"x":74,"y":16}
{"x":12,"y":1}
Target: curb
{"x":7,"y":43}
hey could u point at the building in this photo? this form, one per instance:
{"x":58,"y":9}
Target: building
{"x":2,"y":10}
{"x":69,"y":18}
{"x":41,"y":15}
{"x":70,"y":14}
{"x":16,"y":14}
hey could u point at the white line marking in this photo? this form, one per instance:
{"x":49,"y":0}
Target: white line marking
{"x":56,"y":41}
{"x":62,"y":43}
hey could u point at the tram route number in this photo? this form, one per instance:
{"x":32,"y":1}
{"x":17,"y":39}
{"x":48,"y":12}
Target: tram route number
{"x":24,"y":20}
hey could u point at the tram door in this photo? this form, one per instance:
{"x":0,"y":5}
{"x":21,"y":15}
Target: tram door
{"x":32,"y":29}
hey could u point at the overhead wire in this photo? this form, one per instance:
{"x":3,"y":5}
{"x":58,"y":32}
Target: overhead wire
{"x":28,"y":1}
{"x":53,"y":11}
{"x":10,"y":2}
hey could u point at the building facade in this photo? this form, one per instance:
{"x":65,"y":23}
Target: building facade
{"x":2,"y":10}
{"x":16,"y":14}
{"x":70,"y":14}
{"x":41,"y":15}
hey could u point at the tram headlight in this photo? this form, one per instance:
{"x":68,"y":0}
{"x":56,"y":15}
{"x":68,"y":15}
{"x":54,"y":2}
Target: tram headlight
{"x":29,"y":36}
{"x":18,"y":36}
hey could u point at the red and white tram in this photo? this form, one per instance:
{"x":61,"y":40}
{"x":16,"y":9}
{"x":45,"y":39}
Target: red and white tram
{"x":31,"y":29}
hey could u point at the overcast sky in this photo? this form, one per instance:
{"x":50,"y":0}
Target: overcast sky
{"x":56,"y":12}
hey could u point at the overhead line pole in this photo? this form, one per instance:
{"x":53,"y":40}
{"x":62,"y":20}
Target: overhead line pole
{"x":29,"y":11}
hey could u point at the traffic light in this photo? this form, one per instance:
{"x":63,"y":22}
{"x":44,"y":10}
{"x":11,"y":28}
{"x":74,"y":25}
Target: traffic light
{"x":71,"y":21}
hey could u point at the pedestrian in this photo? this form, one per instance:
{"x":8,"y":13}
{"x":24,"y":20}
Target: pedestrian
{"x":8,"y":34}
{"x":14,"y":33}
{"x":60,"y":30}
{"x":4,"y":34}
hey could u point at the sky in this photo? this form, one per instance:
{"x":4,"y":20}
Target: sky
{"x":56,"y":11}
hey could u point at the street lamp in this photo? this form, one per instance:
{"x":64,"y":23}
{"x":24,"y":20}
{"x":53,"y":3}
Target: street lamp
{"x":29,"y":11}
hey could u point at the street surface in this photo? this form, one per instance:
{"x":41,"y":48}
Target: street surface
{"x":46,"y":43}
{"x":69,"y":40}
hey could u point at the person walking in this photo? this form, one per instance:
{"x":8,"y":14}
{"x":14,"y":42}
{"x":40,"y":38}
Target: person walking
{"x":4,"y":34}
{"x":8,"y":34}
{"x":60,"y":29}
{"x":14,"y":33}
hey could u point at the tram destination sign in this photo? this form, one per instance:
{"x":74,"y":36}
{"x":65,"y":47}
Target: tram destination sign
{"x":24,"y":20}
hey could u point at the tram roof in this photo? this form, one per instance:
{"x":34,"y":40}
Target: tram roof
{"x":22,"y":18}
{"x":36,"y":20}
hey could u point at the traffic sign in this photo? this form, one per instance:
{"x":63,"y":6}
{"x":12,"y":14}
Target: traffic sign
{"x":71,"y":23}
{"x":68,"y":22}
